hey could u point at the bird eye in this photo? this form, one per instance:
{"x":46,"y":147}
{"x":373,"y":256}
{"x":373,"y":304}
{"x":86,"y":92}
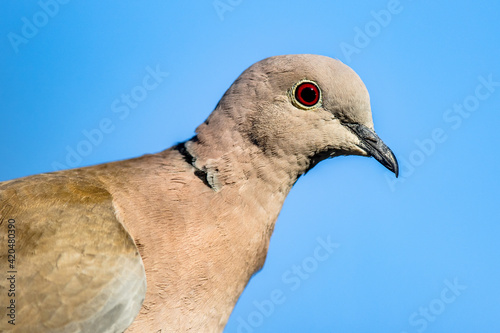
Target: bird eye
{"x":306,"y":94}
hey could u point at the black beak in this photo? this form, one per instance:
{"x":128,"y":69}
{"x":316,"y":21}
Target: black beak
{"x":374,"y":146}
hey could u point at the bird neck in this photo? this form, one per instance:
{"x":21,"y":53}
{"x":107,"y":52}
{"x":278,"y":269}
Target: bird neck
{"x":229,"y":162}
{"x":247,"y":190}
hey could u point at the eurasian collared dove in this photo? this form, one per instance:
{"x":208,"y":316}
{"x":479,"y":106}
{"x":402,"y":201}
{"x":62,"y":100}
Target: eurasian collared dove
{"x":193,"y":221}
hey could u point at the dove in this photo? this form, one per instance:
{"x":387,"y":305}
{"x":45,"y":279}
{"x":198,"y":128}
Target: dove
{"x":167,"y":242}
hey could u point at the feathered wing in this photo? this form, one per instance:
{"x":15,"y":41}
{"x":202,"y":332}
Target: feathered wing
{"x":76,"y":268}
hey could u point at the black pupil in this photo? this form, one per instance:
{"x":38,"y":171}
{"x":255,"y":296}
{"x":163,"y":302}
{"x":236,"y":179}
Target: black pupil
{"x":308,"y":94}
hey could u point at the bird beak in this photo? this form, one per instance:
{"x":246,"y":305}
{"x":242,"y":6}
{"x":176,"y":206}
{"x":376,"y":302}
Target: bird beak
{"x":374,"y":146}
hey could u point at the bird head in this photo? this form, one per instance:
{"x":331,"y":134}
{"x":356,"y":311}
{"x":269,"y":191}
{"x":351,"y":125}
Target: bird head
{"x":309,"y":106}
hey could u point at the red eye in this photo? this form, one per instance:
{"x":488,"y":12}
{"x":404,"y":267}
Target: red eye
{"x":307,"y":94}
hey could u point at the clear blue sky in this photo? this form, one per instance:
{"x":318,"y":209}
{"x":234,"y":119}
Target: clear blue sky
{"x":421,"y":254}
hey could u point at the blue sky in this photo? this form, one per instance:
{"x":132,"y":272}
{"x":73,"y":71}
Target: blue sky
{"x":420,"y":254}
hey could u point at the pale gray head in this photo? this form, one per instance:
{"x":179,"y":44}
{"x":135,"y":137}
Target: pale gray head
{"x":305,"y":105}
